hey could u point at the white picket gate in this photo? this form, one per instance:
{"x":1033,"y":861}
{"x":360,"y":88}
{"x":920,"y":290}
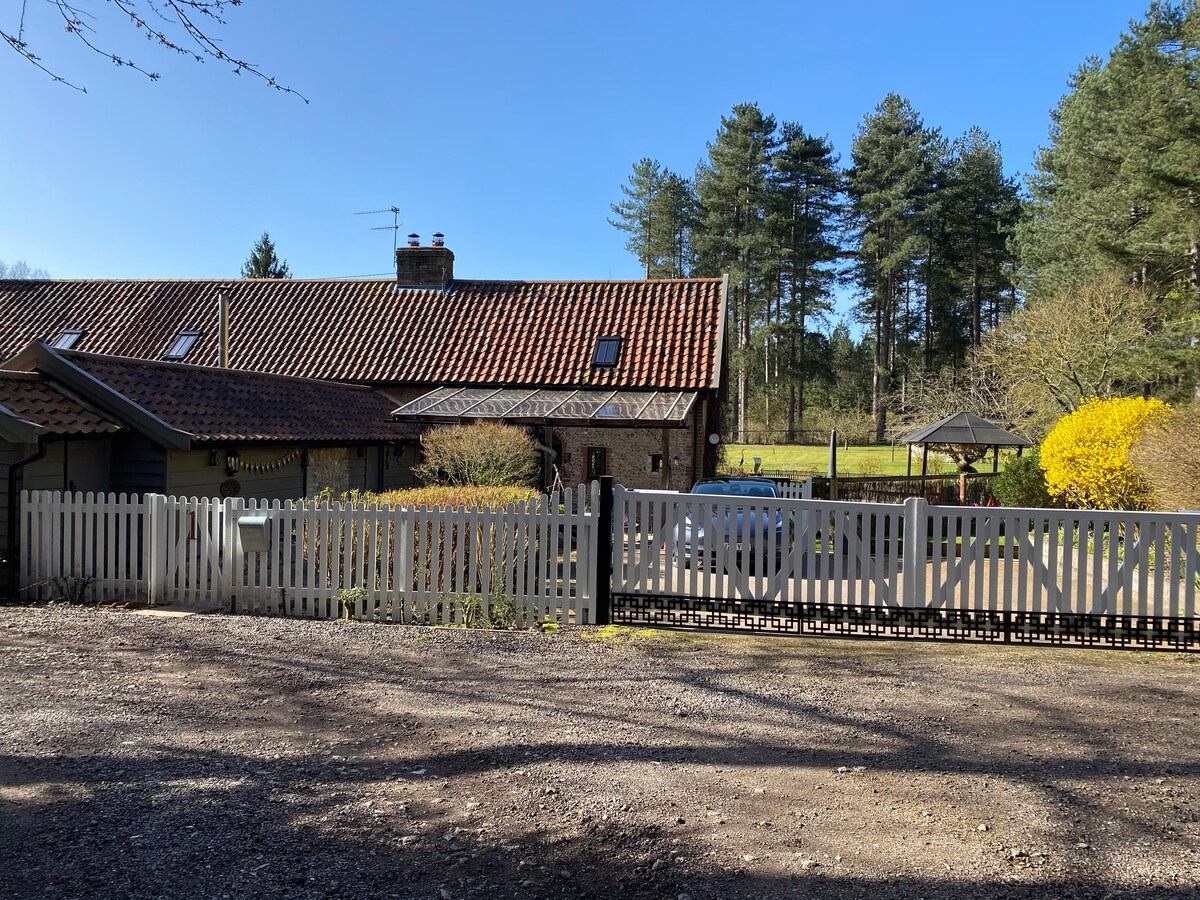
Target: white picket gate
{"x":323,"y":560}
{"x":843,"y":567}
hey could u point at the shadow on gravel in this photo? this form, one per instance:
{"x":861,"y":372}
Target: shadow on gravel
{"x":155,"y":819}
{"x":213,"y":825}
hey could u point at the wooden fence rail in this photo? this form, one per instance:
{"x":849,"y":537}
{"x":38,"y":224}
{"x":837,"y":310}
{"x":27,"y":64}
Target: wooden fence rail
{"x":532,"y":562}
{"x":784,"y":564}
{"x":775,"y":564}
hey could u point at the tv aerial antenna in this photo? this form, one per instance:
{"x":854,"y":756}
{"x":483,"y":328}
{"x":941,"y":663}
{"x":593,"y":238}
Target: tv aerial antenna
{"x":394,"y":228}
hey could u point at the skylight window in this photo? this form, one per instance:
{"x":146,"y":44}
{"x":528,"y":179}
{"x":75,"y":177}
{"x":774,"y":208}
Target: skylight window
{"x":67,"y":339}
{"x":183,"y":346}
{"x":607,"y":351}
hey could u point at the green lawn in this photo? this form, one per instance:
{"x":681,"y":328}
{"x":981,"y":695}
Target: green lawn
{"x":850,"y":460}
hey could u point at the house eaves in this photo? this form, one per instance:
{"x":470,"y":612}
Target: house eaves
{"x":17,"y":430}
{"x":37,"y":356}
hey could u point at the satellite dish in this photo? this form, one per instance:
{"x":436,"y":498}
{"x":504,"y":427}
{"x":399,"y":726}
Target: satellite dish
{"x":714,"y":439}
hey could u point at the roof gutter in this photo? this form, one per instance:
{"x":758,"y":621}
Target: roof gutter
{"x":19,"y":431}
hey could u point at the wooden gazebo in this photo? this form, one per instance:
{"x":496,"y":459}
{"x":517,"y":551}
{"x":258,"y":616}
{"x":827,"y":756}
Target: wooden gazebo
{"x":963,"y":429}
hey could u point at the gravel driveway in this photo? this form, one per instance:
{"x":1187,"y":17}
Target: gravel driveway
{"x":216,"y":756}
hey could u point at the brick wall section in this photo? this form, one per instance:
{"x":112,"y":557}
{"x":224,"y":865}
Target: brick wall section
{"x":328,"y":467}
{"x":424,"y":266}
{"x":629,"y":451}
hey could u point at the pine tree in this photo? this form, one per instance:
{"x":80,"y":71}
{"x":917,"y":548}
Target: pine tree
{"x":733,"y":188}
{"x":658,"y":214}
{"x":264,"y":262}
{"x":968,"y":271}
{"x":889,"y":185}
{"x":1117,"y":188}
{"x":987,"y":209}
{"x":805,"y":205}
{"x":677,"y":213}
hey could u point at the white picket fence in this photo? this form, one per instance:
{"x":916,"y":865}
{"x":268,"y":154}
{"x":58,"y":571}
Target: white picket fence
{"x":540,"y":558}
{"x":906,"y":555}
{"x":415,"y":565}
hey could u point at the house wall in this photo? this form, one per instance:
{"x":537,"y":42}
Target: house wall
{"x":342,"y":469}
{"x":629,"y":452}
{"x":397,"y":469}
{"x":9,"y":454}
{"x":328,"y":467}
{"x":138,"y":466}
{"x":81,"y":465}
{"x":190,"y":474}
{"x":357,"y":468}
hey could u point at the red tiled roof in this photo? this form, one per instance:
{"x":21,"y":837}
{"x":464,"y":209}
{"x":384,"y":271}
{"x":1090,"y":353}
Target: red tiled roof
{"x":32,"y":397}
{"x":537,"y":333}
{"x":227,"y":405}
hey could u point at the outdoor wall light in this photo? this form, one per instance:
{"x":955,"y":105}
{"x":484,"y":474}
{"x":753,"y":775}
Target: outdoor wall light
{"x":232,"y":462}
{"x":212,"y":457}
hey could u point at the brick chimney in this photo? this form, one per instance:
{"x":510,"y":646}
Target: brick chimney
{"x":418,"y":266}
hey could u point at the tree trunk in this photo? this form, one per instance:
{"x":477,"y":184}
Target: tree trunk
{"x":743,"y":346}
{"x":878,"y":376}
{"x":976,"y":302}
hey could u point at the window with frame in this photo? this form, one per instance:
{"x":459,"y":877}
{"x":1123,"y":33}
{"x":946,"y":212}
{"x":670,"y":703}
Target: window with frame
{"x":608,"y":349}
{"x":67,"y":339}
{"x":182,"y":346}
{"x":597,"y":463}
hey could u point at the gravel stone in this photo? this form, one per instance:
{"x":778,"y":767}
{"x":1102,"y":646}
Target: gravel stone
{"x":153,"y":756}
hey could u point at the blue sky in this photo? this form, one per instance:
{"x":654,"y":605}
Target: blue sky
{"x":509,"y":127}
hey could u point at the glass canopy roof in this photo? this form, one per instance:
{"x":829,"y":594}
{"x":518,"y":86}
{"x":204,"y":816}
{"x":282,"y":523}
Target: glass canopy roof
{"x":597,"y":407}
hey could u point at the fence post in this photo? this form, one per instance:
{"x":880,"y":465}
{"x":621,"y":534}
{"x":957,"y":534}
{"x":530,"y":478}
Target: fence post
{"x":155,"y":547}
{"x":235,"y":558}
{"x":604,"y":551}
{"x":916,"y":529}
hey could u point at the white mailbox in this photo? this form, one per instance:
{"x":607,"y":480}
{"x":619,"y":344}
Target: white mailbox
{"x":254,"y":533}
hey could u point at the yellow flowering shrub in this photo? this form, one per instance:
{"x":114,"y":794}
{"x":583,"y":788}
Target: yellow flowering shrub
{"x":1086,"y":456}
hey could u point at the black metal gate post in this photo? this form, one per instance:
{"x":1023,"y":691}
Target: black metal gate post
{"x":604,"y":551}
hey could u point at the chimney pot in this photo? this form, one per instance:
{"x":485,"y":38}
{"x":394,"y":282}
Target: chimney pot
{"x":439,"y":239}
{"x":414,"y":240}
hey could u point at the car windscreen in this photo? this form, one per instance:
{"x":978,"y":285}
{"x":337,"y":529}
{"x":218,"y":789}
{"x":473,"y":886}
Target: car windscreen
{"x":736,"y":489}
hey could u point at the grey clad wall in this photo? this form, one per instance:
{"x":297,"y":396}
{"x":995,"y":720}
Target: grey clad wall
{"x":9,"y":453}
{"x":190,"y":474}
{"x":138,"y":466}
{"x":80,"y":464}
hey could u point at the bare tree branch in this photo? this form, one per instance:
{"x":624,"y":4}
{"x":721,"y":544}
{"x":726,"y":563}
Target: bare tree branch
{"x":182,"y":26}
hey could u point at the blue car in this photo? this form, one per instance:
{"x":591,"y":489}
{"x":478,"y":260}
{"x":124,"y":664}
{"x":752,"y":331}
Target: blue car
{"x":743,"y":528}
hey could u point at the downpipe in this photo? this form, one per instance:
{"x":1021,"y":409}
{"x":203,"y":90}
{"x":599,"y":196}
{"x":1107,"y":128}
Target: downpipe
{"x":14,"y":517}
